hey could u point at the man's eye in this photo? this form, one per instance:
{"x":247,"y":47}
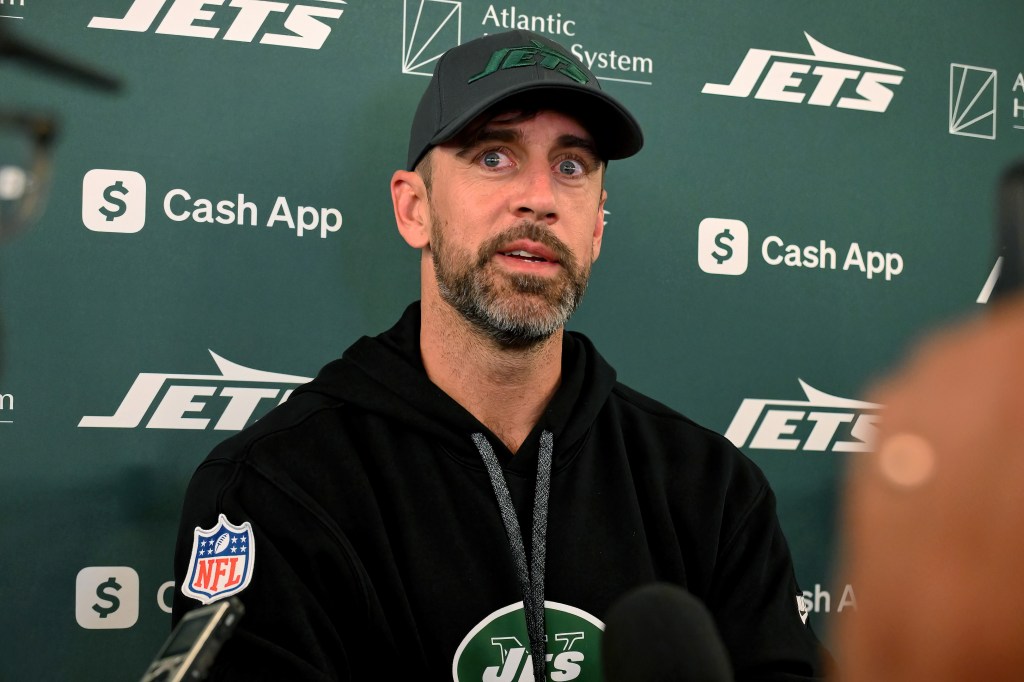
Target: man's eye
{"x":495,"y":159}
{"x":571,"y":167}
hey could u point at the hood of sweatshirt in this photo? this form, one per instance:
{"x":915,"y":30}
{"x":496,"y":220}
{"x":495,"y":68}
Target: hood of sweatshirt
{"x":384,"y":375}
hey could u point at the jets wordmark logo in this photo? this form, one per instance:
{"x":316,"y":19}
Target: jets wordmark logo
{"x":824,"y":78}
{"x":190,"y":401}
{"x":293,"y":24}
{"x":822,"y":423}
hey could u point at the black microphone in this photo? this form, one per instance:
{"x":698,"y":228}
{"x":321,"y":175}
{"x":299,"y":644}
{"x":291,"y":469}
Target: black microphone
{"x":661,"y":633}
{"x":11,"y":47}
{"x":1010,"y":232}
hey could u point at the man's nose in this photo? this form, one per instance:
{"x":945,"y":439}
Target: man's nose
{"x":534,"y":197}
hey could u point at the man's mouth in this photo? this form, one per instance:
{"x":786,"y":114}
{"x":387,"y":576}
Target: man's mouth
{"x":524,"y":255}
{"x":528,"y":251}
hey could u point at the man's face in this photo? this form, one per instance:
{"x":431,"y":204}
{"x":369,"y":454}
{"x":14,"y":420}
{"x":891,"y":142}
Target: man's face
{"x":516,"y":222}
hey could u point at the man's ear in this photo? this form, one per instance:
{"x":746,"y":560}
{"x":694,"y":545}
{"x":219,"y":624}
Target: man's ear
{"x":599,"y":225}
{"x":412,"y":214}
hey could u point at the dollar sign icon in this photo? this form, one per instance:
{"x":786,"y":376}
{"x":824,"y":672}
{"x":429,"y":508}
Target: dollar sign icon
{"x":109,"y":193}
{"x":723,"y":242}
{"x":120,"y":206}
{"x":722,"y":246}
{"x":103,"y":592}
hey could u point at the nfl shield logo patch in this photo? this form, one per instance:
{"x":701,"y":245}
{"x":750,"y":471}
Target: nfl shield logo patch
{"x":222,"y":561}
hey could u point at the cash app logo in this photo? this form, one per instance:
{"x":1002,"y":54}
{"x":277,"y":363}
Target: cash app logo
{"x":107,"y":597}
{"x":722,"y":246}
{"x":113,"y":200}
{"x":497,"y":649}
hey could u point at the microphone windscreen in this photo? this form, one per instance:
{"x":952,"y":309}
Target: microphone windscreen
{"x":662,"y":633}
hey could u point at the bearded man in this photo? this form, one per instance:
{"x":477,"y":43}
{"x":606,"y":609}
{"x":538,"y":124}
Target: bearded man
{"x":467,"y":494}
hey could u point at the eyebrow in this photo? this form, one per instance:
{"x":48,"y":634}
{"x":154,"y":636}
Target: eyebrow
{"x":509,"y":135}
{"x":485,"y":135}
{"x":576,"y":142}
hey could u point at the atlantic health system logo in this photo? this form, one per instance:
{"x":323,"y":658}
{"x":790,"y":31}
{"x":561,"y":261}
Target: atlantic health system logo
{"x":429,"y":27}
{"x":12,"y":9}
{"x":6,"y":408}
{"x":972,"y":109}
{"x":824,"y":78}
{"x":974,"y":101}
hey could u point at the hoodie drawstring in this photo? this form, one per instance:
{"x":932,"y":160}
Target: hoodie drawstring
{"x":531,"y":578}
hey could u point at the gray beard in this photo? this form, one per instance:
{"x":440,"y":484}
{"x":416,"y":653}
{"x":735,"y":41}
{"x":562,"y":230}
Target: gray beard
{"x":513,"y":310}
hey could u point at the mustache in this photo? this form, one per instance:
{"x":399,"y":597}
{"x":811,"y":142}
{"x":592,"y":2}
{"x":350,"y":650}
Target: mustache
{"x":527,"y":229}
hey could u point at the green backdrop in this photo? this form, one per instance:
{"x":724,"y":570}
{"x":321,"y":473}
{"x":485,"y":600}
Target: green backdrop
{"x":849,"y":150}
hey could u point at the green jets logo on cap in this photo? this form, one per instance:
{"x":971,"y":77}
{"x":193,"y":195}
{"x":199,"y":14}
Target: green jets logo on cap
{"x":527,"y":55}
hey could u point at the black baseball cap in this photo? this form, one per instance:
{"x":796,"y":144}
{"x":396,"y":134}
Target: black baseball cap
{"x":525,"y":69}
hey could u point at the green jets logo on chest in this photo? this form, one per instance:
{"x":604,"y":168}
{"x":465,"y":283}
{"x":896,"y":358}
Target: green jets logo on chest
{"x":497,"y":649}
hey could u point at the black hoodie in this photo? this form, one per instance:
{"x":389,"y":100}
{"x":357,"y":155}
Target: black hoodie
{"x":380,"y":552}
